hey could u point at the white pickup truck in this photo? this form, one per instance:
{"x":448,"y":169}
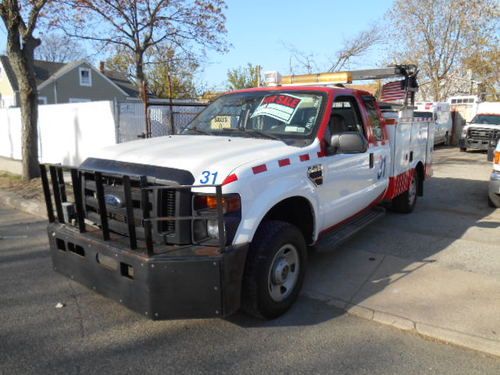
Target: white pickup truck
{"x":221,"y":217}
{"x":483,"y":131}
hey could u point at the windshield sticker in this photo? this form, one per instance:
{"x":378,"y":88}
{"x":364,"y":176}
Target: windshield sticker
{"x":295,"y":129}
{"x":220,"y":122}
{"x":281,"y":107}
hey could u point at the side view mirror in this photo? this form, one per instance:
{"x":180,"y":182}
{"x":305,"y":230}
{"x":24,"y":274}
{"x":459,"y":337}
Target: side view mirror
{"x":348,"y":143}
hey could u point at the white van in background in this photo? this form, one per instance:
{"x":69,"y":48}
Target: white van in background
{"x":441,"y":115}
{"x":465,"y":105}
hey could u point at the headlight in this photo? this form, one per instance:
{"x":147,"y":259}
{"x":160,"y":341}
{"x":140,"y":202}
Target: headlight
{"x":213,"y":229}
{"x":205,"y":205}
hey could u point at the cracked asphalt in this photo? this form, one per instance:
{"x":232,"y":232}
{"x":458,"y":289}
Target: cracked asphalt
{"x":91,"y":334}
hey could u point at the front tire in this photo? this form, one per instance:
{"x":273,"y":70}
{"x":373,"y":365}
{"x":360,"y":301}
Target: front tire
{"x":463,"y":149}
{"x":274,"y":271}
{"x":405,"y":202}
{"x":491,"y":203}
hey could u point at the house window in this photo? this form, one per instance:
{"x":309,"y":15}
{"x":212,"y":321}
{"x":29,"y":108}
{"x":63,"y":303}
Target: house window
{"x":42,"y":100}
{"x":85,"y":77}
{"x":79,"y":100}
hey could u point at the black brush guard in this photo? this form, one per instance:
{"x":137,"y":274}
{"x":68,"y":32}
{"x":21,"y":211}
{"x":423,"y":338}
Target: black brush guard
{"x":158,"y":280}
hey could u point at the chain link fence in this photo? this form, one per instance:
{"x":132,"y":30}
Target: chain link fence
{"x":131,"y":123}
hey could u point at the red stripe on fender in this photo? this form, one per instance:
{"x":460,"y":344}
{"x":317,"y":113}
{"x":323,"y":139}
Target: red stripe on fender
{"x":259,"y":169}
{"x":229,"y":179}
{"x":304,"y":157}
{"x":284,"y":162}
{"x":321,"y":154}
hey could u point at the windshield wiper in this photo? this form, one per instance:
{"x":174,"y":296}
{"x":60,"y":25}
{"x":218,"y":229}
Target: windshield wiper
{"x":200,"y":131}
{"x":264,"y":134}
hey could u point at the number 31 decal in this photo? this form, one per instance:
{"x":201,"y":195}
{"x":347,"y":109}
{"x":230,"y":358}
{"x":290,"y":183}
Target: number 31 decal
{"x":207,"y":176}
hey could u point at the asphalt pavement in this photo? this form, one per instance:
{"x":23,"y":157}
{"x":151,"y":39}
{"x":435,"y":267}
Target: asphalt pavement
{"x":91,"y":334}
{"x":435,"y":271}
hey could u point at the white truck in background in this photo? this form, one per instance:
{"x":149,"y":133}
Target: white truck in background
{"x":440,"y":113}
{"x":483,"y":131}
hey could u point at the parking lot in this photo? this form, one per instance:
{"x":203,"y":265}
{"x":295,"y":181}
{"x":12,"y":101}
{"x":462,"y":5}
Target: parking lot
{"x":433,"y":272}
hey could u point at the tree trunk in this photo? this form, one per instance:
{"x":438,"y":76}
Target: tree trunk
{"x":143,"y":90}
{"x":171,"y":102}
{"x":21,"y":59}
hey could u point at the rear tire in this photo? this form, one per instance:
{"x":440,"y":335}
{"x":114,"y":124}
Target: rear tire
{"x":463,"y":149}
{"x":405,"y":202}
{"x":274,"y":271}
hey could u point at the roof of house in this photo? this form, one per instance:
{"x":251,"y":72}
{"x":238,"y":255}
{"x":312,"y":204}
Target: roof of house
{"x":43,"y":71}
{"x":46,"y":71}
{"x":122,"y":81}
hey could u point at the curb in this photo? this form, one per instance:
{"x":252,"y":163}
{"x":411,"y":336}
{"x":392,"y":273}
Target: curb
{"x":476,"y":343}
{"x":30,"y":206}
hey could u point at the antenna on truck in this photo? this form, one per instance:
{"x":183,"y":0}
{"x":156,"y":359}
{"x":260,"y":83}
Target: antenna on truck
{"x":408,"y":72}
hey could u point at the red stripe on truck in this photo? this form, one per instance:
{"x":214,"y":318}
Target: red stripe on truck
{"x":284,"y":162}
{"x":229,"y":179}
{"x":399,"y":184}
{"x":304,"y":157}
{"x":259,"y":169}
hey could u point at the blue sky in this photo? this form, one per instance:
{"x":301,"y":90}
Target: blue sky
{"x":258,"y":30}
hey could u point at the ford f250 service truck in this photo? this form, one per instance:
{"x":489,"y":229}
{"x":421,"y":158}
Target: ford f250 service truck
{"x":220,"y":217}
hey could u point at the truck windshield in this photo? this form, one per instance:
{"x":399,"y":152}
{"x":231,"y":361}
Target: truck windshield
{"x":289,"y":116}
{"x":486,"y":119}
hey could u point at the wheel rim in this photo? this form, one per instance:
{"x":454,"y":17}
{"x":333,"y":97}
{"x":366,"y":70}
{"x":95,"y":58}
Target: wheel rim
{"x":283,"y":273}
{"x":412,"y":191}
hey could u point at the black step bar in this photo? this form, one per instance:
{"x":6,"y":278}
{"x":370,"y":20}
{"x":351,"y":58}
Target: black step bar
{"x":55,"y":194}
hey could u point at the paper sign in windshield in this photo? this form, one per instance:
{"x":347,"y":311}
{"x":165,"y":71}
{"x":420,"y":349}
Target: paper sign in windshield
{"x":220,"y":122}
{"x":281,"y":107}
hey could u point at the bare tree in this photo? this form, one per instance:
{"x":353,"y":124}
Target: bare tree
{"x":60,"y":49}
{"x":356,"y":47}
{"x":138,"y":26}
{"x":301,"y":60}
{"x":21,"y":19}
{"x":163,"y":65}
{"x":352,"y":49}
{"x":439,"y":36}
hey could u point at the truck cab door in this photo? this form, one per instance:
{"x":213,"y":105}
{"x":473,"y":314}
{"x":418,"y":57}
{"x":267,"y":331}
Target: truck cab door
{"x":348,"y":178}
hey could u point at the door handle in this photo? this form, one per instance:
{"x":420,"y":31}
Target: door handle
{"x":371,"y":160}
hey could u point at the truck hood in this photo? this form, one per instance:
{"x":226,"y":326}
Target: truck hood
{"x":484,"y":126}
{"x":197,"y":153}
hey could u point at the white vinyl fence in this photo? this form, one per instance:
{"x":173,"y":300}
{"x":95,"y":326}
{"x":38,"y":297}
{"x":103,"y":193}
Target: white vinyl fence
{"x":68,"y":133}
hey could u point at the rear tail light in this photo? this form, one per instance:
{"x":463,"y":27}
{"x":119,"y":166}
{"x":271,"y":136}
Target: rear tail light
{"x":496,"y":159}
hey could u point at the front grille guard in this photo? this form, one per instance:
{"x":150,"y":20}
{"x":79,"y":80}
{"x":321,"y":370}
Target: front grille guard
{"x":492,"y":135}
{"x":56,"y":189}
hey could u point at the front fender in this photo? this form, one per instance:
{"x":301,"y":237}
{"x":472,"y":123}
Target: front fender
{"x":264,"y":193}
